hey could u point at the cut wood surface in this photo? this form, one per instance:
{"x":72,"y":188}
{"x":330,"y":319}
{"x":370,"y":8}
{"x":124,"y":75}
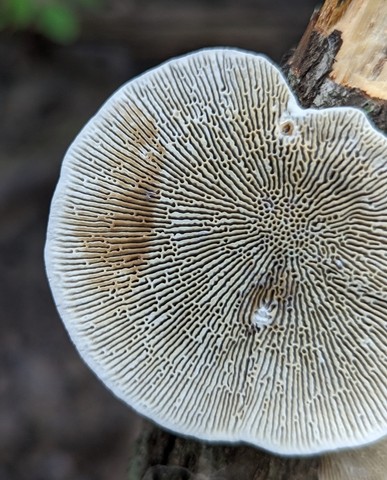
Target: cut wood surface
{"x":341,"y":59}
{"x":361,"y":60}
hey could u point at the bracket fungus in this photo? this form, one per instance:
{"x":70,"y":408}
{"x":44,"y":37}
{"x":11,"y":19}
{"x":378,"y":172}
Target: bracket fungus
{"x":218,"y":255}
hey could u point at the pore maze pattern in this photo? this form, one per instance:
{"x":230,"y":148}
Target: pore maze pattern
{"x":220,"y":256}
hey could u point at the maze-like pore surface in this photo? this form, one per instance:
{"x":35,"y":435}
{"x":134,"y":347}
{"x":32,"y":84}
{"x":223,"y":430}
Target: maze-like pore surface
{"x":219,"y":256}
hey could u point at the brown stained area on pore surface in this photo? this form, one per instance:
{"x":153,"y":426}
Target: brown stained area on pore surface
{"x":125,"y":209}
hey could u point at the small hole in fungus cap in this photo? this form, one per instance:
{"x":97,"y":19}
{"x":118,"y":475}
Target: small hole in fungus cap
{"x":287,"y":128}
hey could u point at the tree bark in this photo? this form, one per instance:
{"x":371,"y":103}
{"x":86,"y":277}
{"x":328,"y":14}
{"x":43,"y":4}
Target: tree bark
{"x":160,"y":455}
{"x":340,"y":61}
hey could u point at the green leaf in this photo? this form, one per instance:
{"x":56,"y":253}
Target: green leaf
{"x":59,"y":23}
{"x":18,"y":13}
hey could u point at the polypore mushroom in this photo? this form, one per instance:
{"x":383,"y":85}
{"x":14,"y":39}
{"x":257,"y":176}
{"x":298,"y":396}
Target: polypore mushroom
{"x":218,"y":256}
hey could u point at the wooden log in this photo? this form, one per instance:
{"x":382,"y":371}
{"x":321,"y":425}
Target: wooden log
{"x":341,"y":59}
{"x":160,"y":455}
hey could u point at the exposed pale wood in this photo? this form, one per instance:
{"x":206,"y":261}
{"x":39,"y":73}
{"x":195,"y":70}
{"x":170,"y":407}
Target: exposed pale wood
{"x":331,"y":13}
{"x":342,"y":58}
{"x":361,"y":61}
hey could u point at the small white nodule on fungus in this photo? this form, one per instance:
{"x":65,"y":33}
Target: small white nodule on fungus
{"x":219,"y":256}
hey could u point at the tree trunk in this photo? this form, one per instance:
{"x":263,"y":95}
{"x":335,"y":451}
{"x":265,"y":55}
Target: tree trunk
{"x":340,"y":61}
{"x":160,"y":455}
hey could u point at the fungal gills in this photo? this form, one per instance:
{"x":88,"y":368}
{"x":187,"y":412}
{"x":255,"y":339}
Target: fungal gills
{"x":218,"y":256}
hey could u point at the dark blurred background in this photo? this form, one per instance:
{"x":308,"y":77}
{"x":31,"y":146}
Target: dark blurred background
{"x":58,"y":62}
